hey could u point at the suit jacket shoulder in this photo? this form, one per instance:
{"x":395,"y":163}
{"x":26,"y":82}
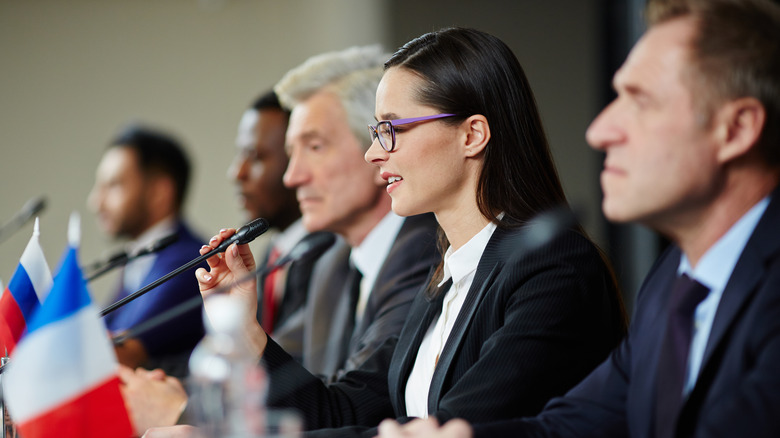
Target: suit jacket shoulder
{"x":737,"y":392}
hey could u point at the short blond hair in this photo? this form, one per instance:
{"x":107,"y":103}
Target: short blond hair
{"x":351,"y":74}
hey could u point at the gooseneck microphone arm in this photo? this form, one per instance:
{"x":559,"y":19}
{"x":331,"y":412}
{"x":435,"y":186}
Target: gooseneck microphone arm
{"x":28,"y":211}
{"x":311,"y":246}
{"x":123,"y":258}
{"x":244,"y":235}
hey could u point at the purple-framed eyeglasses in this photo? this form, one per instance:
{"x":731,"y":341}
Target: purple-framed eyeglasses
{"x":384,"y":130}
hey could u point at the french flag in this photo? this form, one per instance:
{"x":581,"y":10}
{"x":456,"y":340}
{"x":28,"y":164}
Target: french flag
{"x":28,"y":287}
{"x":62,"y":379}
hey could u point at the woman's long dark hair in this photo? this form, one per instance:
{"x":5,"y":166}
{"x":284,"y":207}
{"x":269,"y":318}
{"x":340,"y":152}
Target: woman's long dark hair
{"x":470,"y":72}
{"x":467,"y":72}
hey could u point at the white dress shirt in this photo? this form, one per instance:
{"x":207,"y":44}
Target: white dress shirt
{"x":136,"y":270}
{"x":714,"y":270}
{"x":370,"y":255}
{"x":460,"y":266}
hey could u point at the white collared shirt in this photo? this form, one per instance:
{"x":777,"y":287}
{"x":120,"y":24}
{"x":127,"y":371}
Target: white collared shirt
{"x":460,"y":266}
{"x":370,"y":255}
{"x":714,"y":271}
{"x":287,"y":239}
{"x":136,"y":270}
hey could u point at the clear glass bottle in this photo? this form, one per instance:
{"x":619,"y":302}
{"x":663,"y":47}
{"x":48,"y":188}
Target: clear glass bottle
{"x":227,"y":384}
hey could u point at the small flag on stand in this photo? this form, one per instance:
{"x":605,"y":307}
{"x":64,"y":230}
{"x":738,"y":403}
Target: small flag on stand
{"x":62,"y":379}
{"x":28,"y":287}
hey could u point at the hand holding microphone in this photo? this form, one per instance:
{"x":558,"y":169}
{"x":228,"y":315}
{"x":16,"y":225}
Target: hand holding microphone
{"x":244,"y":235}
{"x":228,"y":268}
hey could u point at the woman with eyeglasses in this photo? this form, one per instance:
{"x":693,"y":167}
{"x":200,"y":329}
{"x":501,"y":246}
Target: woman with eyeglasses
{"x":500,"y":328}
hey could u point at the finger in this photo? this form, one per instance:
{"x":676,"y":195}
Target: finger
{"x":457,"y":429}
{"x":204,"y":277}
{"x":155,"y":374}
{"x":246,"y":255}
{"x":125,"y":374}
{"x":389,"y":429}
{"x":235,"y":261}
{"x":421,"y":427}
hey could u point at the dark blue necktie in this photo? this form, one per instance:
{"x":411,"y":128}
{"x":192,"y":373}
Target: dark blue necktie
{"x":673,"y":361}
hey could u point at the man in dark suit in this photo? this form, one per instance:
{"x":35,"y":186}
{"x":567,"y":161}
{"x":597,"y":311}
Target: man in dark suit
{"x":692,"y":146}
{"x":362,"y":290}
{"x":139,"y":190}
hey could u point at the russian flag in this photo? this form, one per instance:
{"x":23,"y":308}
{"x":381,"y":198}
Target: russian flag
{"x":62,"y":379}
{"x":28,"y":287}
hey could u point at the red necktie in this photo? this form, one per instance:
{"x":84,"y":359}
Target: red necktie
{"x":269,"y":292}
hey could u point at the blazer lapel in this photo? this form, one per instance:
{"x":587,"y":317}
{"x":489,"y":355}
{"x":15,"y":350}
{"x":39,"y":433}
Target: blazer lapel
{"x":649,"y":335}
{"x":489,"y":266}
{"x":409,"y":342}
{"x":749,"y":271}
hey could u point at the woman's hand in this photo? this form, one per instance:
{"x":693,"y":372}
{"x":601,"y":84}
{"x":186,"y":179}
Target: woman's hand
{"x":224,"y":270}
{"x":428,"y":428}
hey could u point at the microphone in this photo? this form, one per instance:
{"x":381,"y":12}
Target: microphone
{"x":28,"y":211}
{"x":122,"y":258}
{"x":311,"y":246}
{"x":244,"y":235}
{"x":545,"y":227}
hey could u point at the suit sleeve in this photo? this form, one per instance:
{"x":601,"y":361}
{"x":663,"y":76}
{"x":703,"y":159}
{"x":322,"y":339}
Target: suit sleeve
{"x":359,"y":398}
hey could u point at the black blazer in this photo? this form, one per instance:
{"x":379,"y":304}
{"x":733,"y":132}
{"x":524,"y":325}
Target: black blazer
{"x":332,"y":342}
{"x":290,"y":318}
{"x":530,"y":328}
{"x":737,"y":393}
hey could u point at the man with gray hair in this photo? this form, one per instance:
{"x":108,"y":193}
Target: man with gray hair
{"x":360,"y":294}
{"x":360,"y":291}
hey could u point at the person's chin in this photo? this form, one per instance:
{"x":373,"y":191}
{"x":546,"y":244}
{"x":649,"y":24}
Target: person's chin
{"x":313,"y":223}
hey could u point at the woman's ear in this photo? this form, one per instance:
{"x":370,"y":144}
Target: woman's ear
{"x":477,"y":134}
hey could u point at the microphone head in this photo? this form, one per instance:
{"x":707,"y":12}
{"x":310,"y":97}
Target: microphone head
{"x":545,"y":227}
{"x":34,"y":206}
{"x":244,"y":235}
{"x":311,"y":246}
{"x":250,"y":231}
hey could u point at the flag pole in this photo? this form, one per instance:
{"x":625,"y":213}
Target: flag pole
{"x":3,"y":414}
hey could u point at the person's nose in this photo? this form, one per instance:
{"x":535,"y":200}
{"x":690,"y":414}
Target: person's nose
{"x":606,"y":129}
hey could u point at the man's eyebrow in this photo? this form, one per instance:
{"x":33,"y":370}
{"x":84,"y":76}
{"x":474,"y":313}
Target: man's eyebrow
{"x":306,"y":136}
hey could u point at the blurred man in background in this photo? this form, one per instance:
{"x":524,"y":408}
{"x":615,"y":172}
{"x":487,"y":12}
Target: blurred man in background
{"x":257,"y":171}
{"x":139,"y":191}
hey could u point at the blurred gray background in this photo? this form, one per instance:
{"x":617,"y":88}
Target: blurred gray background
{"x":74,"y":72}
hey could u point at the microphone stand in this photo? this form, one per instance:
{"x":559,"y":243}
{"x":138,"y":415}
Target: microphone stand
{"x":113,"y":262}
{"x":187,"y":306}
{"x":245,"y":234}
{"x":123,"y":258}
{"x":315,"y":245}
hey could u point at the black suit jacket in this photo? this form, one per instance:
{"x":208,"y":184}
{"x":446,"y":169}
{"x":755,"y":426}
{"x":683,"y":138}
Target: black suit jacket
{"x":332,"y":342}
{"x":535,"y":324}
{"x":290,"y":317}
{"x":737,"y":393}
